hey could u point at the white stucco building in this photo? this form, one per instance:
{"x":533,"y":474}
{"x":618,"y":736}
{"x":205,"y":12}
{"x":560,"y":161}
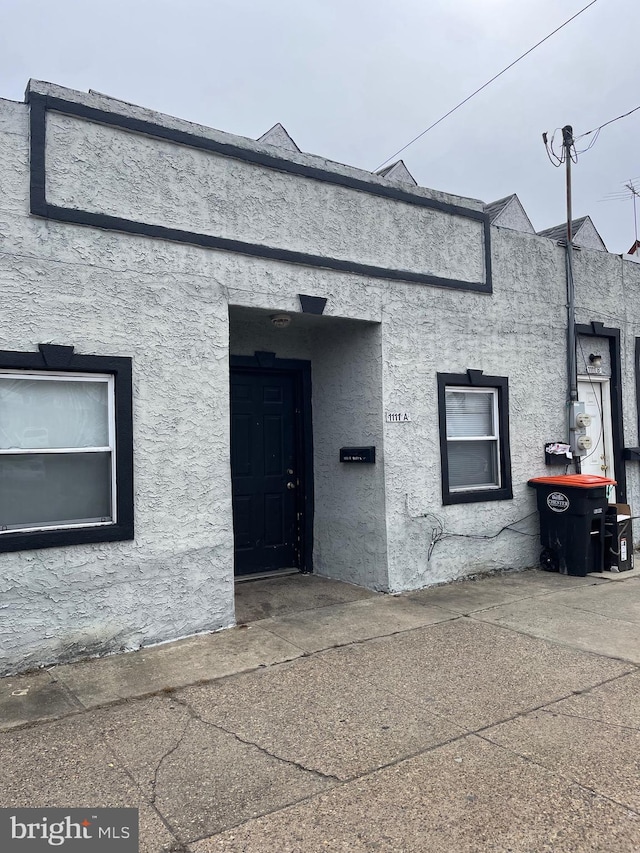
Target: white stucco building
{"x":197,"y":328}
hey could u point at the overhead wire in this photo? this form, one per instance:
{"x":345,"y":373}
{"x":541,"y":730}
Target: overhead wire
{"x":597,"y":130}
{"x":484,"y":85}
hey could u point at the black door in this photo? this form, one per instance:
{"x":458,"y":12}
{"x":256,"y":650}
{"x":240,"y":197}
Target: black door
{"x":263,"y":471}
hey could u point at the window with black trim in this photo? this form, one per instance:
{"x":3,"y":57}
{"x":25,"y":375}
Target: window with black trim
{"x":66,"y":449}
{"x":474,"y":437}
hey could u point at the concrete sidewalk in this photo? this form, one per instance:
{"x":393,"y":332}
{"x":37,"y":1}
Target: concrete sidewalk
{"x":499,"y":714}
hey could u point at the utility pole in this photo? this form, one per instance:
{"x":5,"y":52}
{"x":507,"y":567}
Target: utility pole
{"x":572,"y":370}
{"x":567,"y":144}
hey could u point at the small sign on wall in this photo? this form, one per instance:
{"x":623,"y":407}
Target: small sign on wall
{"x":366,"y":455}
{"x":398,"y":418}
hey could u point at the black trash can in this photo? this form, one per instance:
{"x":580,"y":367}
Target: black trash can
{"x":573,"y":510}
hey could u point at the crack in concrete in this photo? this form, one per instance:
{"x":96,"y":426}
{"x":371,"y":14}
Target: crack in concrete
{"x":340,"y":783}
{"x":448,"y":718}
{"x":176,"y":844}
{"x":555,"y":642}
{"x":633,"y":666}
{"x":592,"y":612}
{"x":178,"y":744}
{"x":323,"y":776}
{"x":546,"y":710}
{"x":450,"y":617}
{"x":465,"y":733}
{"x":538,"y":763}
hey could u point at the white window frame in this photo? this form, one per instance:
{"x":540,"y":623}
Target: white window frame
{"x":495,"y":438}
{"x":55,"y":376}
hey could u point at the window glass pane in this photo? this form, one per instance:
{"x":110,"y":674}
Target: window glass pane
{"x":469,"y":414}
{"x":53,"y":413}
{"x":473,"y":463}
{"x":39,"y":489}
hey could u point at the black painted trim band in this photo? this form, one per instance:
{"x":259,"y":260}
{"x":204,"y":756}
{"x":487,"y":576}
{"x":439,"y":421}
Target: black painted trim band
{"x":40,"y":104}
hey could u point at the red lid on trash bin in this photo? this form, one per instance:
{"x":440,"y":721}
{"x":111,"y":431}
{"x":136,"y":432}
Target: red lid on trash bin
{"x":578,"y":481}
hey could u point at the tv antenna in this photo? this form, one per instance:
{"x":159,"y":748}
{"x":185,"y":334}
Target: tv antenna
{"x":631,"y":191}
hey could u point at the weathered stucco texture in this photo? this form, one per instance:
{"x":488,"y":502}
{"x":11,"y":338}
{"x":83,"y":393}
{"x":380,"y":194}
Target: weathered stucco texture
{"x":105,"y":170}
{"x":179,"y":311}
{"x":116,"y":297}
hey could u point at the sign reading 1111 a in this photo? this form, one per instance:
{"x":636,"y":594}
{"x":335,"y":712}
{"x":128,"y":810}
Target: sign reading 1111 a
{"x":398,"y":417}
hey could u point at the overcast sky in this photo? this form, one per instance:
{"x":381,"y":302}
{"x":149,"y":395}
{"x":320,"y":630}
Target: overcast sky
{"x":354,"y":80}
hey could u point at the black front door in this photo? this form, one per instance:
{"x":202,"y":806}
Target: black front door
{"x":264,"y":471}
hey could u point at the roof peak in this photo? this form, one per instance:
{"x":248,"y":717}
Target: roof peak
{"x":397,"y":172}
{"x":279,"y":137}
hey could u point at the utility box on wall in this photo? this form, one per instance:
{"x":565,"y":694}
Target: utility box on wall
{"x":579,"y":420}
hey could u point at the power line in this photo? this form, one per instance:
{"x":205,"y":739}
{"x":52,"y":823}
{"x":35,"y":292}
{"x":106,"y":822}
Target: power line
{"x":484,"y":86}
{"x":599,"y":128}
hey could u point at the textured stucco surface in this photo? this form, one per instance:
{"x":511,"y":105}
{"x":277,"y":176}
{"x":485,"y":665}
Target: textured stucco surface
{"x":179,"y":311}
{"x":105,"y":170}
{"x":74,"y":286}
{"x":585,"y":346}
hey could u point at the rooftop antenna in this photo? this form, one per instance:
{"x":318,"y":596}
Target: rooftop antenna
{"x":631,"y":191}
{"x":634,"y":194}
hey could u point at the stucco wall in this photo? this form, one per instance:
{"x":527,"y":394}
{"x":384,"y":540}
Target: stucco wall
{"x":608,"y":291}
{"x":502,"y":335}
{"x":106,"y":170}
{"x":350,"y":541}
{"x":116,"y":297}
{"x":177,"y":310}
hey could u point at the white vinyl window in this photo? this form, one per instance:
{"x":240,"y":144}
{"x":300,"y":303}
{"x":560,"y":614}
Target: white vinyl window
{"x":473,"y":440}
{"x":57,"y":450}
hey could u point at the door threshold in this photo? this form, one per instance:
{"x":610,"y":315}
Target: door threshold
{"x":259,"y":576}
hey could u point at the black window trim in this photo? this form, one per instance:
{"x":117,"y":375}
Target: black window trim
{"x":476,"y":379}
{"x":63,"y":359}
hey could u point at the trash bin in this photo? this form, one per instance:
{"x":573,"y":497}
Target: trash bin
{"x":618,"y":552}
{"x":572,"y":511}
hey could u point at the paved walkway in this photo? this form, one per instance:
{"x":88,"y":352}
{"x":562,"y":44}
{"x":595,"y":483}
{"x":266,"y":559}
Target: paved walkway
{"x":500,"y":714}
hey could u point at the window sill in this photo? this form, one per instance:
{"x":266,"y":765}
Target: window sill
{"x":28,"y":541}
{"x":477,"y":496}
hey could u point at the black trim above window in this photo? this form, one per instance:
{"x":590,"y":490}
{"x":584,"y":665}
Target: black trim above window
{"x":475,"y":379}
{"x":51,"y":358}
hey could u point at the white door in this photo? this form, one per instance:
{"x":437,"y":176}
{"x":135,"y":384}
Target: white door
{"x":599,"y":460}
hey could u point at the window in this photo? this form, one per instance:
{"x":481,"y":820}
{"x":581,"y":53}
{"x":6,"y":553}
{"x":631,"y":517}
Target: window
{"x":65,"y":449}
{"x":474,"y":440}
